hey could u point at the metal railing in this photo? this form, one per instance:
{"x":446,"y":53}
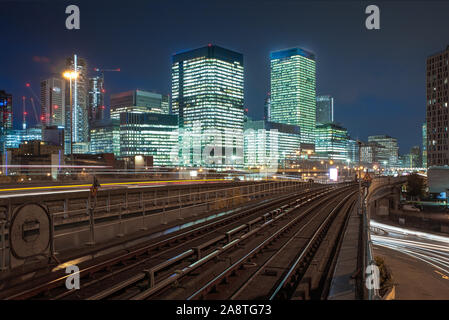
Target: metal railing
{"x":144,"y":212}
{"x":372,"y":292}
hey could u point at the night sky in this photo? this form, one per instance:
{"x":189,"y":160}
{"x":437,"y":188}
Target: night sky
{"x":376,"y":76}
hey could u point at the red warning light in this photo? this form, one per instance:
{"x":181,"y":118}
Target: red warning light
{"x":55,"y":106}
{"x":27,"y":84}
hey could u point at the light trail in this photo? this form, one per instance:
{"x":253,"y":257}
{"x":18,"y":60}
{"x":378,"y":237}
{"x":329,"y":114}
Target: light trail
{"x":429,"y":248}
{"x":110,"y":184}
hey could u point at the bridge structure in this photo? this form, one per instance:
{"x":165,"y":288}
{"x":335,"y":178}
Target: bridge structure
{"x":273,"y":239}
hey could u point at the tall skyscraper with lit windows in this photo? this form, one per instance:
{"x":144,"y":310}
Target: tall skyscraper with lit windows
{"x":388,"y":153}
{"x":5,"y":117}
{"x":138,"y":101}
{"x":324,"y":109}
{"x":53,"y":102}
{"x":437,"y":108}
{"x":207,"y":95}
{"x":424,"y":145}
{"x":293,"y":90}
{"x":332,"y":142}
{"x":77,"y":115}
{"x":96,"y":107}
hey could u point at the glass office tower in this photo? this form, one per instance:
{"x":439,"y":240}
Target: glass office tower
{"x":149,"y":134}
{"x":96,"y":109}
{"x":53,"y":102}
{"x":269,"y":143}
{"x":324,"y":109}
{"x":76,"y":114}
{"x":424,"y":145}
{"x":15,"y":137}
{"x":332,"y":142}
{"x":207,"y":95}
{"x":293,"y":90}
{"x":353,"y":151}
{"x":105,"y":137}
{"x":138,"y":101}
{"x":389,"y":154}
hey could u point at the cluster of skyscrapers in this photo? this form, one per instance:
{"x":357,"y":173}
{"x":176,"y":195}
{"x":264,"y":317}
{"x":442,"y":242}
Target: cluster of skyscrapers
{"x":204,"y":122}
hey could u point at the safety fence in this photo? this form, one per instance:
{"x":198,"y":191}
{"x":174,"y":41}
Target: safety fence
{"x":32,"y":231}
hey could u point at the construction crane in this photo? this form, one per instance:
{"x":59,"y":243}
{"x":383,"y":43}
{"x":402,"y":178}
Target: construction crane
{"x":106,"y":70}
{"x":32,"y":102}
{"x":34,"y":109}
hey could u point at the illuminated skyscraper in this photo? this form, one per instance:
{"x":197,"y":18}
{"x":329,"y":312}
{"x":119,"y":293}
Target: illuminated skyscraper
{"x":270,"y":143}
{"x":138,"y":101}
{"x":105,"y":137}
{"x":77,"y":117}
{"x":293,"y":90}
{"x":207,"y":94}
{"x":96,"y":107}
{"x":388,"y":154}
{"x":324,"y":109}
{"x":353,"y":151}
{"x":149,"y":134}
{"x":424,"y":145}
{"x":53,"y":102}
{"x":266,"y":108}
{"x":332,"y":142}
{"x":5,"y":117}
{"x":15,"y":137}
{"x":437,"y":109}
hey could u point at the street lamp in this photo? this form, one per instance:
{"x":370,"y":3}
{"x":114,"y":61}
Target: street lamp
{"x":71,"y":75}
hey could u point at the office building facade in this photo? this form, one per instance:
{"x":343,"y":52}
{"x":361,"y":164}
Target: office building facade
{"x":266,"y":108}
{"x":270,"y":144}
{"x":424,"y":145}
{"x":149,"y":134}
{"x":437,"y":92}
{"x":53,"y":102}
{"x":331,"y":142}
{"x":293,"y":90}
{"x":15,"y":138}
{"x":207,"y":95}
{"x":76,"y":113}
{"x":138,"y":101}
{"x":5,"y":118}
{"x":389,"y":154}
{"x":105,"y":137}
{"x":324,"y":109}
{"x":353,"y":151}
{"x":96,"y":107}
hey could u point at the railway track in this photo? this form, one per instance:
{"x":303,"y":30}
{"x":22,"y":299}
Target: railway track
{"x":272,"y":274}
{"x":276,"y":269}
{"x":128,"y":265}
{"x":160,"y":280}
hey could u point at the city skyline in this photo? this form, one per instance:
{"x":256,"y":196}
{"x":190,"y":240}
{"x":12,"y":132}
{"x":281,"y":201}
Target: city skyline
{"x":259,"y":150}
{"x":368,"y":92}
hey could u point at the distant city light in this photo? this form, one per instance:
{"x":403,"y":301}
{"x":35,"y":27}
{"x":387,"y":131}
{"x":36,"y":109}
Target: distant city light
{"x":193,"y":173}
{"x":333,"y":174}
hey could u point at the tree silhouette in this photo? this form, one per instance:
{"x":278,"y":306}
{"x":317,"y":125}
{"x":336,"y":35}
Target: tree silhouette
{"x":415,"y":186}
